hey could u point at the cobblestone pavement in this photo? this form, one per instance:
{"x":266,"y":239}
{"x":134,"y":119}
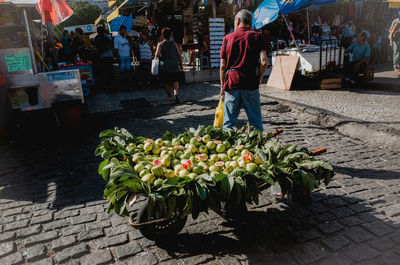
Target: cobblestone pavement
{"x":52,"y":211}
{"x":376,"y":106}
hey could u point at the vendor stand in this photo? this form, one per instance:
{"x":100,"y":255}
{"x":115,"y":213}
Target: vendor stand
{"x":27,"y":89}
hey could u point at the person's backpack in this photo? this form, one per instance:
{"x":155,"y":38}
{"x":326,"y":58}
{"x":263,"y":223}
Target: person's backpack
{"x":103,"y":43}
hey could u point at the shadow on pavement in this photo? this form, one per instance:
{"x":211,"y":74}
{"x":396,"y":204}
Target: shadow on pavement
{"x":289,"y":229}
{"x":368,"y":173}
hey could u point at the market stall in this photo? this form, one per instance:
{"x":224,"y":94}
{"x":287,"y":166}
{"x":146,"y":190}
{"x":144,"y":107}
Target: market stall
{"x":25,"y":88}
{"x":313,"y":59}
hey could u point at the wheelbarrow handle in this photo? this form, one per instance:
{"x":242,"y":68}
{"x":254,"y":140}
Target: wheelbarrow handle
{"x":137,"y":225}
{"x":277,"y":132}
{"x":319,"y":151}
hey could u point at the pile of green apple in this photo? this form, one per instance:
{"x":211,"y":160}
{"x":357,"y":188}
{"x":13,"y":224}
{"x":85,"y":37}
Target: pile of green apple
{"x":156,"y":160}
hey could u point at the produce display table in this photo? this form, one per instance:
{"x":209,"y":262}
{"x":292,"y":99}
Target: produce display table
{"x":313,"y":61}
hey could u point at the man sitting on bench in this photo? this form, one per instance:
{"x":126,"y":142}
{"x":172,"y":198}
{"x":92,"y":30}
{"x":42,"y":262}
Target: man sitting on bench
{"x":361,"y":52}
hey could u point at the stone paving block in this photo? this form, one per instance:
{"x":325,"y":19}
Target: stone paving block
{"x":63,"y":242}
{"x":41,"y":238}
{"x":229,"y":260}
{"x":97,"y":258}
{"x":23,"y":216}
{"x":71,"y":230}
{"x":358,"y":234}
{"x":55,"y":225}
{"x":362,"y":252}
{"x":47,"y":261}
{"x":378,"y":228}
{"x":334,"y":259}
{"x":36,"y":252}
{"x":7,"y":236}
{"x":42,"y":219}
{"x":280,"y":259}
{"x":7,"y":248}
{"x":101,"y":224}
{"x":92,"y":209}
{"x":31,"y":230}
{"x":143,"y":258}
{"x":111,"y":241}
{"x":83,"y":219}
{"x":342,"y":212}
{"x":128,"y":250}
{"x":16,"y":225}
{"x":135,"y":234}
{"x":382,"y":244}
{"x":309,"y":252}
{"x":335,"y":243}
{"x":14,"y":211}
{"x":196,"y":259}
{"x":65,"y":214}
{"x":7,"y":219}
{"x":112,"y":231}
{"x":91,"y":234}
{"x":330,"y":227}
{"x":13,"y":259}
{"x":73,"y":252}
{"x":351,"y":221}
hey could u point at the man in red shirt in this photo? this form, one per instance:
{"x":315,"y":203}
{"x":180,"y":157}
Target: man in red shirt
{"x":241,"y":53}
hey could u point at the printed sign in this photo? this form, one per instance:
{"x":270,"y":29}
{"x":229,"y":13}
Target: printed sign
{"x":18,"y":62}
{"x":54,"y":77}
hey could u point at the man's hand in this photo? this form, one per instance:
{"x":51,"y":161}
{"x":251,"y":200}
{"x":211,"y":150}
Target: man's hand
{"x":222,"y":92}
{"x":357,"y":65}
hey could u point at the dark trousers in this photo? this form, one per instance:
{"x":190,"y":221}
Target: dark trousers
{"x":352,"y":72}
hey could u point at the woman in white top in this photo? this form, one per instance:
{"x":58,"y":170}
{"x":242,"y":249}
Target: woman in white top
{"x":146,"y":55}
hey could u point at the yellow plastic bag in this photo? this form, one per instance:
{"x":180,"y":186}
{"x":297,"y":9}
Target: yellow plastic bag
{"x":219,"y":114}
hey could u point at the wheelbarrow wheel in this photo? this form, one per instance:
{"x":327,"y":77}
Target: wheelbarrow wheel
{"x":159,"y":231}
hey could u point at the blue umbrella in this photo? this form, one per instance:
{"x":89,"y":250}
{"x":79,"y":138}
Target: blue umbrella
{"x":269,"y":10}
{"x":119,"y":21}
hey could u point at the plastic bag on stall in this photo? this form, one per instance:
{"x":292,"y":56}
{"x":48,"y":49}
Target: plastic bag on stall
{"x":219,"y":114}
{"x":154,"y":66}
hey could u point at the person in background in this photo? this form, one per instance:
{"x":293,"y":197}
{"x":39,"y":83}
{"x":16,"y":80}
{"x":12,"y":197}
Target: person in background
{"x":170,"y":58}
{"x":122,"y":48}
{"x":394,"y":39}
{"x":103,"y":44}
{"x":241,"y":53}
{"x":66,"y":47}
{"x":204,"y":50}
{"x":265,"y":34}
{"x":361,"y":52}
{"x":78,"y":44}
{"x":146,"y":55}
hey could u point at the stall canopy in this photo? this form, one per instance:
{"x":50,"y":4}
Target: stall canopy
{"x":269,"y":10}
{"x":54,"y":11}
{"x":119,"y":21}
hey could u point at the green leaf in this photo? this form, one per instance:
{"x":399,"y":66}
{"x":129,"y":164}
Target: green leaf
{"x":105,"y":173}
{"x":201,"y":190}
{"x":307,"y":180}
{"x":168,"y":136}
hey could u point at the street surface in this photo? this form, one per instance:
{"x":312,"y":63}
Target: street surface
{"x":52,"y":210}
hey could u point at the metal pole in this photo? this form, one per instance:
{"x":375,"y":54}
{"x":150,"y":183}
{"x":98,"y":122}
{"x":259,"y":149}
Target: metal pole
{"x":42,"y":30}
{"x":308,"y":26}
{"x":291,"y":33}
{"x":214,"y":8}
{"x":28,"y":36}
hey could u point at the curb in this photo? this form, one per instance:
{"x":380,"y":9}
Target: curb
{"x":374,"y":133}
